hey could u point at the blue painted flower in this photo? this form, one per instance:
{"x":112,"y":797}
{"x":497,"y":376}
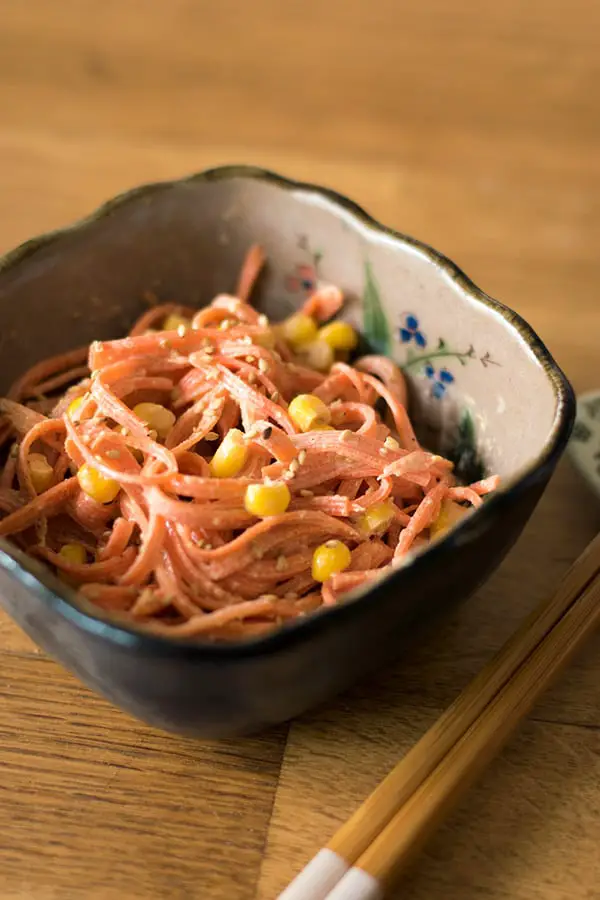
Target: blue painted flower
{"x":440,"y":379}
{"x":409,"y":331}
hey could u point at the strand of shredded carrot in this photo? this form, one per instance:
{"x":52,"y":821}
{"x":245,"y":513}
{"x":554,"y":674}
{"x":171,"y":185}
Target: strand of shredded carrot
{"x":135,"y":486}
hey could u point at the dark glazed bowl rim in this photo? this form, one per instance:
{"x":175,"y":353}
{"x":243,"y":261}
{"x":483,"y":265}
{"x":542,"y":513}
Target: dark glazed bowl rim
{"x":66,"y":602}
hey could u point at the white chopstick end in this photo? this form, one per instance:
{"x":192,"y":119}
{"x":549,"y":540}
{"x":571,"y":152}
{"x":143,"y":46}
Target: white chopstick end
{"x":317,"y":878}
{"x":357,"y":885}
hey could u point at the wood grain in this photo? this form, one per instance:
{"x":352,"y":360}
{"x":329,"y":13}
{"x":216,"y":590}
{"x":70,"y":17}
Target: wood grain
{"x":475,"y":127}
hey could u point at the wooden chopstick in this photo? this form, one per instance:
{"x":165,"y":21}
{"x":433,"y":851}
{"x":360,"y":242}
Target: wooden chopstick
{"x":363,"y":839}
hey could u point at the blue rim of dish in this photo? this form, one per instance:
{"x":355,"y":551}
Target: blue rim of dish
{"x":68,"y":604}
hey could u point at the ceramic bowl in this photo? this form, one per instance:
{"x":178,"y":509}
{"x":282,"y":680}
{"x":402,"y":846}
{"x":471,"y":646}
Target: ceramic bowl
{"x":484,"y":390}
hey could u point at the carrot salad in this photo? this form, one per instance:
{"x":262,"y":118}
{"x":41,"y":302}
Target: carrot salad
{"x":216,"y":474}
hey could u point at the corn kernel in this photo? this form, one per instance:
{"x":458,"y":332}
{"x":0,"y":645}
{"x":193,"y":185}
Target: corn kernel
{"x":156,"y":417}
{"x":267,"y":499}
{"x":320,"y":427}
{"x":339,"y":336}
{"x":173,"y":322}
{"x":41,"y":472}
{"x":376,"y":518}
{"x":299,"y":329}
{"x":329,"y":559}
{"x":74,"y":553}
{"x":308,"y":412}
{"x":230,"y":455}
{"x":74,"y":408}
{"x":265,"y":339}
{"x":449,"y":515}
{"x":96,"y":485}
{"x":317,"y":355}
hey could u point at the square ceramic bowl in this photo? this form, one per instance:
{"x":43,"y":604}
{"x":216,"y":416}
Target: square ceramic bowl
{"x":484,"y":390}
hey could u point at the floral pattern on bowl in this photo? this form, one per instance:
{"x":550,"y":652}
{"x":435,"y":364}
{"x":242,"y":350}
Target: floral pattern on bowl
{"x":409,"y":344}
{"x":584,"y":446}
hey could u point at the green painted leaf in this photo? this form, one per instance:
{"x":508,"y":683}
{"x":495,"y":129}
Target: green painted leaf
{"x":375,"y":326}
{"x":464,"y":454}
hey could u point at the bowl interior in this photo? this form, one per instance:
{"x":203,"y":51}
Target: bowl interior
{"x":479,"y":393}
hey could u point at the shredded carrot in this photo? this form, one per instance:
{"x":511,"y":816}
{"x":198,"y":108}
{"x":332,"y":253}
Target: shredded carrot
{"x":177,"y":551}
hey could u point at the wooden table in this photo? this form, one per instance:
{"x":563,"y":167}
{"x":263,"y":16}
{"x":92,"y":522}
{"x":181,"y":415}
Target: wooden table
{"x":477,"y":132}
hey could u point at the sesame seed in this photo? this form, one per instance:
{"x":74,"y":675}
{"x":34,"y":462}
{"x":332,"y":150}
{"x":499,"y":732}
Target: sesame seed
{"x":275,"y":396}
{"x":257,"y":552}
{"x":225,"y":324}
{"x":164,"y":344}
{"x":246,"y":339}
{"x":306,"y":493}
{"x":383,"y":451}
{"x":345,"y":436}
{"x":271,"y":597}
{"x":113,"y":454}
{"x":251,"y":359}
{"x":302,"y":457}
{"x":391,"y":443}
{"x":211,"y":436}
{"x":263,"y":366}
{"x":294,"y":466}
{"x":263,"y":321}
{"x":208,"y":546}
{"x":281,"y":563}
{"x":251,"y":378}
{"x":182,"y":330}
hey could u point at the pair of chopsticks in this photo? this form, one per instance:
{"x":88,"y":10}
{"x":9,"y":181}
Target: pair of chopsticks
{"x":384,"y":835}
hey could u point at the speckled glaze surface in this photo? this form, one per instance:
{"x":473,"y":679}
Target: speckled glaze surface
{"x":483,"y":388}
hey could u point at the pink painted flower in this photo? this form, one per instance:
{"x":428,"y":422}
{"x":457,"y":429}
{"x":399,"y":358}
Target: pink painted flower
{"x":303,"y":278}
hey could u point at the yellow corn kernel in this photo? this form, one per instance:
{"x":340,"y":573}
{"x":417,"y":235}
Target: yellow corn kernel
{"x":41,"y":472}
{"x":96,"y":485}
{"x":339,"y":335}
{"x":230,"y":455}
{"x":329,"y":559}
{"x":299,"y":329}
{"x":376,"y":518}
{"x":74,"y":407}
{"x":308,"y":412}
{"x":321,"y":427}
{"x":317,"y":355}
{"x":158,"y":418}
{"x":265,"y":339}
{"x":173,"y":322}
{"x":267,"y":499}
{"x":449,"y":515}
{"x":74,"y":553}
